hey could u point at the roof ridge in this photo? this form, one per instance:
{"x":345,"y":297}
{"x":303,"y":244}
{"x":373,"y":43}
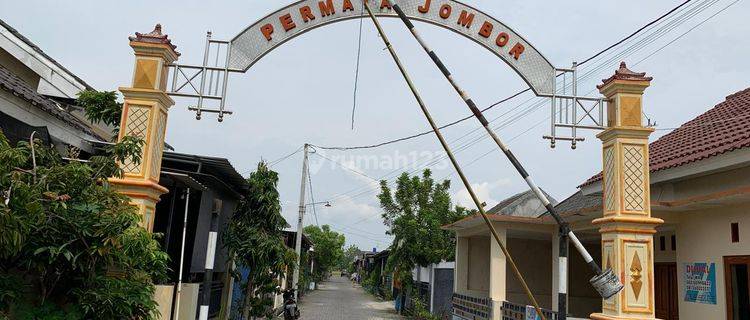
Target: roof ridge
{"x":734,"y":95}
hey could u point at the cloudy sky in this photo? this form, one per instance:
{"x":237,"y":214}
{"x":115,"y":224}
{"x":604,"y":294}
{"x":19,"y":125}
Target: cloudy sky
{"x":302,"y":91}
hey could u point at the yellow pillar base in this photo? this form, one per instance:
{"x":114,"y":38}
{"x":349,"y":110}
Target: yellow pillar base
{"x":143,"y":194}
{"x":627,"y":248}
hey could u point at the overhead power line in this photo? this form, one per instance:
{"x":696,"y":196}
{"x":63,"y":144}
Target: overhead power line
{"x":636,"y":32}
{"x":652,"y":22}
{"x":684,"y":16}
{"x":356,"y":69}
{"x":312,"y":197}
{"x":688,"y":31}
{"x":346,"y":167}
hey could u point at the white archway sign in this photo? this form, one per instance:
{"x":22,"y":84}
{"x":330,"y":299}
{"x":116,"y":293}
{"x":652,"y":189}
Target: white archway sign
{"x":207,"y":82}
{"x":275,"y":29}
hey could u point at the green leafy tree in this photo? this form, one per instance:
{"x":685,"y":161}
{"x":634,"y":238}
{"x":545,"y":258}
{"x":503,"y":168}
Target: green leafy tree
{"x":71,"y":247}
{"x":255,"y":241}
{"x":348,"y":257}
{"x":101,"y":107}
{"x":328,"y":249}
{"x":414,"y":214}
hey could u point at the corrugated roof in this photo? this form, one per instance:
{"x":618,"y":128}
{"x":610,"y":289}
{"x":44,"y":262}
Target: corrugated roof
{"x":723,"y":128}
{"x":220,"y":168}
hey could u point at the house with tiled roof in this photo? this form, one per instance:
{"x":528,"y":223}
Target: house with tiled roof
{"x":37,"y":94}
{"x":700,"y":187}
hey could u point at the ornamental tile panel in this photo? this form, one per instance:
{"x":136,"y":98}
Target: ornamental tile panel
{"x":609,"y":181}
{"x":137,"y":124}
{"x":634,"y":193}
{"x":158,"y":146}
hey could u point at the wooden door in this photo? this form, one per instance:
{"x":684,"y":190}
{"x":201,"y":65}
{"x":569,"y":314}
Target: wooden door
{"x":665,"y":283}
{"x":737,"y":280}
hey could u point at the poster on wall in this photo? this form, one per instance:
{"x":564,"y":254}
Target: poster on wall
{"x":531,"y":313}
{"x":700,"y":282}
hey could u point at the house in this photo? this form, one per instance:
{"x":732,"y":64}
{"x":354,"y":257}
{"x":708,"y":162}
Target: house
{"x":201,"y":188}
{"x":363,"y":263}
{"x":384,"y":284}
{"x":290,"y":239}
{"x":699,"y":186}
{"x":434,"y":285}
{"x":37,"y":94}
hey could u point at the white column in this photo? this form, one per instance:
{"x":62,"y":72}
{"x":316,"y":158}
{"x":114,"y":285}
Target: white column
{"x":497,"y":272}
{"x":461,"y":270}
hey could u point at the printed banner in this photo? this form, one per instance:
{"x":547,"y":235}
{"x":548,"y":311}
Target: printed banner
{"x":700,"y":282}
{"x":531,"y":313}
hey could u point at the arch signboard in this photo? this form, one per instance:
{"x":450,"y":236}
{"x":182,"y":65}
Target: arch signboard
{"x":260,"y":38}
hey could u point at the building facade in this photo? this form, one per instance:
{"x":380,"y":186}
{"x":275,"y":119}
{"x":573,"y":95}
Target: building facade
{"x":37,"y":94}
{"x":699,"y":187}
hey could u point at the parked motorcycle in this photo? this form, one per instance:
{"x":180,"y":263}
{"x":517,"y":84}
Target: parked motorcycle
{"x":290,"y":305}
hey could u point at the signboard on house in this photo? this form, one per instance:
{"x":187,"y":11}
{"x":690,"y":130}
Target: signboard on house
{"x":531,"y":313}
{"x":700,"y":282}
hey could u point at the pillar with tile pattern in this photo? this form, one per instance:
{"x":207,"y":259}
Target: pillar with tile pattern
{"x":626,"y":226}
{"x":144,"y":115}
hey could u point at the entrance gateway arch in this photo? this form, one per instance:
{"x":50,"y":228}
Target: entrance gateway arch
{"x":626,"y":225}
{"x":291,"y":21}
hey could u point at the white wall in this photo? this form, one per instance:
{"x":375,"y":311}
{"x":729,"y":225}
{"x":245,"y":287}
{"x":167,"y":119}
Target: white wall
{"x":704,"y":236}
{"x":479,"y":265}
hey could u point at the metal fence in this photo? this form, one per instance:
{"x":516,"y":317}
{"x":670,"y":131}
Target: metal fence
{"x":473,"y":308}
{"x":515,"y":311}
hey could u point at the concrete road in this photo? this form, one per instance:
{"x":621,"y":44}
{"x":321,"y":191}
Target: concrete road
{"x":337,"y":299}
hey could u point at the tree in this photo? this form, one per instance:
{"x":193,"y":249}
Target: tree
{"x":71,"y":247}
{"x":255,"y":241}
{"x":328,"y":246}
{"x":101,"y":107}
{"x":348,"y":257}
{"x":414,"y":214}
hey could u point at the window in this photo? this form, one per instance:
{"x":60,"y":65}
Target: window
{"x":662,"y":243}
{"x":735,"y":232}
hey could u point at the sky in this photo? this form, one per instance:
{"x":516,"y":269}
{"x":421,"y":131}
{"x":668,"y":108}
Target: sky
{"x":302,"y":92}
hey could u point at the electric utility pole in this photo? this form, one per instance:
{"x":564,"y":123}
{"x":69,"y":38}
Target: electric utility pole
{"x":298,"y":241}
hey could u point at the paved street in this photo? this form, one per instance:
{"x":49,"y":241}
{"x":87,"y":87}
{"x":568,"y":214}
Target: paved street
{"x":338,"y":299}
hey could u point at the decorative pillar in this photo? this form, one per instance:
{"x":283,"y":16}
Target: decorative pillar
{"x":144,"y":115}
{"x":627,"y":227}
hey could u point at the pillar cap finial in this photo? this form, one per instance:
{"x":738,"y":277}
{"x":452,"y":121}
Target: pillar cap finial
{"x":155,"y":36}
{"x":623,"y":73}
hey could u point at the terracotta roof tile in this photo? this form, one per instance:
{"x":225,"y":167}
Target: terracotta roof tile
{"x":723,"y":128}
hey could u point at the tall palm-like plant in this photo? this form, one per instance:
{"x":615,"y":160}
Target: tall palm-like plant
{"x":255,"y":241}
